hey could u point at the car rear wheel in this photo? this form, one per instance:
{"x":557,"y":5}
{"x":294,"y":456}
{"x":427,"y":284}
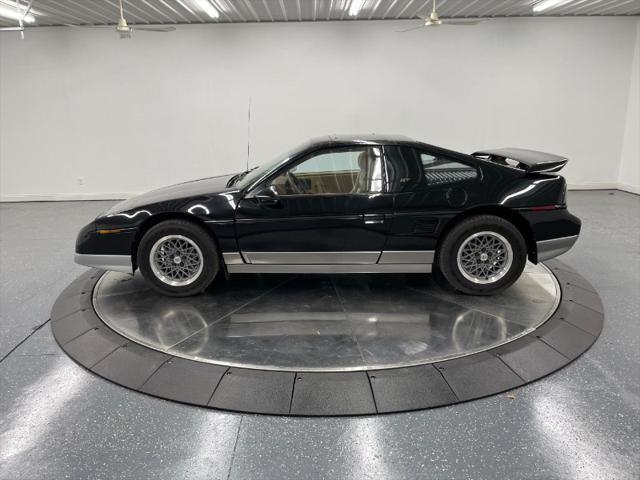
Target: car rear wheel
{"x":178,"y":258}
{"x":482,"y":255}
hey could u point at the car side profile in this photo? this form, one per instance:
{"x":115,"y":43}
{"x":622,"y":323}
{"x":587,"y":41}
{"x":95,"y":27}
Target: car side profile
{"x":346,"y":204}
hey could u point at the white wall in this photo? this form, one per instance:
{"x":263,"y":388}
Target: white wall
{"x":629,"y":174}
{"x":127,"y":116}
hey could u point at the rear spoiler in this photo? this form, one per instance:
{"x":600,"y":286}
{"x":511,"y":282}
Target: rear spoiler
{"x":528,"y":160}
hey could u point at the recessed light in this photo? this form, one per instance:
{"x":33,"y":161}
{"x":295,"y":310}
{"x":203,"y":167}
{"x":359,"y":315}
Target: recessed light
{"x":546,"y":4}
{"x":355,"y":7}
{"x":206,"y":7}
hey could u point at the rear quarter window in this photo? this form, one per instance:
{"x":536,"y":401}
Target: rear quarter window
{"x":440,"y":170}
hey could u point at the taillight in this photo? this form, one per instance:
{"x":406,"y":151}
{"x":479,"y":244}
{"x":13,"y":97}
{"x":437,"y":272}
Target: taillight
{"x":543,"y":208}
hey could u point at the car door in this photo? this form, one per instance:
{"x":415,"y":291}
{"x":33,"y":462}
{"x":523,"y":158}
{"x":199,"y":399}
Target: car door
{"x":429,"y":189}
{"x":326,"y":208}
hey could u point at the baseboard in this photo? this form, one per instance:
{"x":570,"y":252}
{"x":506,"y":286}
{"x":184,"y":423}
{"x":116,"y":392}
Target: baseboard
{"x":67,"y":197}
{"x":629,"y":188}
{"x":592,"y":186}
{"x":624,"y":187}
{"x":63,"y":197}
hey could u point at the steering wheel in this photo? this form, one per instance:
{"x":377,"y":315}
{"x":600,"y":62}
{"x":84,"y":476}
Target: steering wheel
{"x":294,"y":183}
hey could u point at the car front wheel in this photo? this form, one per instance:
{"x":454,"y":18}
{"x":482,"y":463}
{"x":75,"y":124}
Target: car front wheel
{"x":482,"y":255}
{"x":178,"y":258}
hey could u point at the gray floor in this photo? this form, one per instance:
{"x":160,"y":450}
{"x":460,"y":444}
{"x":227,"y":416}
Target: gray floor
{"x":59,"y":421}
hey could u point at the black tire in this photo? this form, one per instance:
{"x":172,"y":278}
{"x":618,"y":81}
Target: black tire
{"x":458,"y":277}
{"x":183,"y":231}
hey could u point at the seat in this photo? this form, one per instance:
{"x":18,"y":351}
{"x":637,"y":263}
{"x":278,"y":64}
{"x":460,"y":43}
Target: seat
{"x":367,"y":163}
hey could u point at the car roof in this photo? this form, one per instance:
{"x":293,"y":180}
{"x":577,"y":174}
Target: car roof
{"x":377,"y":139}
{"x":370,"y":138}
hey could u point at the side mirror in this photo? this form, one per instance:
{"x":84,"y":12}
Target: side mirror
{"x":267,"y":197}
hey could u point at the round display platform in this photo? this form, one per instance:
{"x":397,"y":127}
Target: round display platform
{"x":327,"y":344}
{"x":324,"y":323}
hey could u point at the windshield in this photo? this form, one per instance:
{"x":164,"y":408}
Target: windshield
{"x":257,"y":172}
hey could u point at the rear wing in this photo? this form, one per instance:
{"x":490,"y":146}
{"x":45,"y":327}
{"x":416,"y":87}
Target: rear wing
{"x":528,"y":160}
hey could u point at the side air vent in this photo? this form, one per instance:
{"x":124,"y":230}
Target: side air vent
{"x":444,"y":176}
{"x":425,"y":226}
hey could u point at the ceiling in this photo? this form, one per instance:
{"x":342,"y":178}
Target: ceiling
{"x":101,"y":12}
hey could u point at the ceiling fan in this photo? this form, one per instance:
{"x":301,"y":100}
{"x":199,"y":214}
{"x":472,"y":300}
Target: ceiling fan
{"x":22,"y":16}
{"x":125,"y":30}
{"x":433,"y":20}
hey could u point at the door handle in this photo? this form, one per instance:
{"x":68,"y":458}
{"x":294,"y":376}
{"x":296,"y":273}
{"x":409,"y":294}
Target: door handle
{"x":373,"y":219}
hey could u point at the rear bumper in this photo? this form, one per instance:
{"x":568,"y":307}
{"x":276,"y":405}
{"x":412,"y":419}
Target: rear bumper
{"x":548,"y":249}
{"x":116,"y":263}
{"x":554,"y":232}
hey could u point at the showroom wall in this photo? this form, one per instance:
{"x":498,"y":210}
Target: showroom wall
{"x":629,"y":173}
{"x":86,"y":115}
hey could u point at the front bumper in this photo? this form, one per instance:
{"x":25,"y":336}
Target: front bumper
{"x":548,"y":249}
{"x":116,"y":263}
{"x":110,"y":251}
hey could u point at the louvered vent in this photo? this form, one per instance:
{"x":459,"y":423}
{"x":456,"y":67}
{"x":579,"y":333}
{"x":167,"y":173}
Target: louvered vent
{"x":425,"y":226}
{"x":448,"y":175}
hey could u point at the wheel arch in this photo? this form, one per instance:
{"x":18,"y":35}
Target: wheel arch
{"x":506,"y":213}
{"x":163,"y":217}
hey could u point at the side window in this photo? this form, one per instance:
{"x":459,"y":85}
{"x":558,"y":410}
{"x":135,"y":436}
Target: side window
{"x":357,"y":170}
{"x":439,"y":170}
{"x":403,"y":169}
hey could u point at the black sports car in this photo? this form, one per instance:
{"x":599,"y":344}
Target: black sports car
{"x":357,"y":204}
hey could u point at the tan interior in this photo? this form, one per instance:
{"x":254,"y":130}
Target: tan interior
{"x":331,"y":182}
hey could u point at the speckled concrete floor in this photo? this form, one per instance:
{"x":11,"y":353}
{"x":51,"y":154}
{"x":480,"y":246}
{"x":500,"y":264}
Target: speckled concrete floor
{"x":59,"y":421}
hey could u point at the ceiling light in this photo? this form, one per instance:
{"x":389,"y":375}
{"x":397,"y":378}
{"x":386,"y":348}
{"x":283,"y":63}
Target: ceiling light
{"x":7,"y":11}
{"x":355,"y":7}
{"x":207,"y":8}
{"x":546,"y":4}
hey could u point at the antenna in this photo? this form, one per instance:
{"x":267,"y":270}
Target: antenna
{"x":248,"y":133}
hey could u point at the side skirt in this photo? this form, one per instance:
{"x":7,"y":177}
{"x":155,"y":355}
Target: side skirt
{"x":329,"y":262}
{"x":335,"y":268}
